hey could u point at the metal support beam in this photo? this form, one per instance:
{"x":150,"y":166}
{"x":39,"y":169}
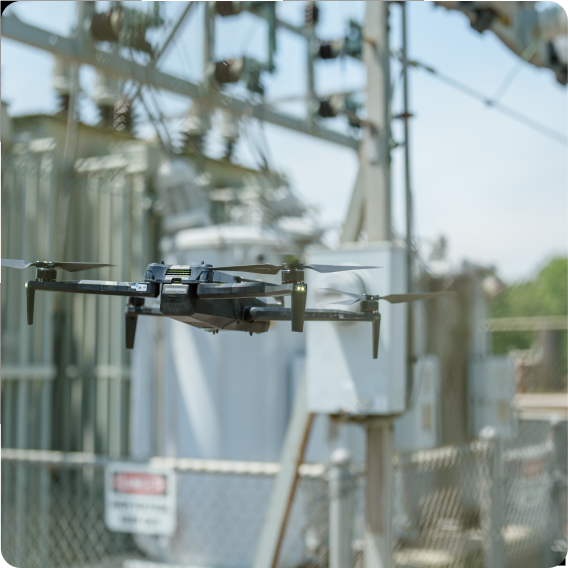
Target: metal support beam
{"x":166,"y":43}
{"x":285,"y":483}
{"x":375,"y":152}
{"x":173,"y":31}
{"x":114,"y":64}
{"x":354,"y":219}
{"x":408,"y":200}
{"x":208,"y":41}
{"x":380,"y":488}
{"x":370,"y":205}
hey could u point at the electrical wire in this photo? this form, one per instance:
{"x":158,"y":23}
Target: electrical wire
{"x":181,"y":49}
{"x":510,"y":77}
{"x":153,"y":91}
{"x":166,"y":145}
{"x":511,"y":113}
{"x":254,"y":142}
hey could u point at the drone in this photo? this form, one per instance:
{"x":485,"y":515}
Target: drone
{"x":204,"y":296}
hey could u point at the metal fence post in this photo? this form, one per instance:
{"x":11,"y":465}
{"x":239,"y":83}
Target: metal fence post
{"x":379,"y":492}
{"x":494,"y":544}
{"x":555,"y":545}
{"x":340,"y":509}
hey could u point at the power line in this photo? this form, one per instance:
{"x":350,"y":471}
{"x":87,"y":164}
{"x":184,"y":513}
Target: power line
{"x":509,"y":78}
{"x":511,"y":113}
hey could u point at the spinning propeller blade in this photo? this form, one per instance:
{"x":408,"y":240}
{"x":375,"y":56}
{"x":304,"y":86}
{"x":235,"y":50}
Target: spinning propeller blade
{"x":68,"y":266}
{"x":392,"y":298}
{"x":330,"y":268}
{"x":356,"y":296}
{"x":255,"y":268}
{"x":273,"y":269}
{"x":376,"y":323}
{"x":398,"y":298}
{"x":20,"y":264}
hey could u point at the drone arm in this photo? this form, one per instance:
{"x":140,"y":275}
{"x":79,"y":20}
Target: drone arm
{"x":253,"y":313}
{"x":141,"y":290}
{"x":102,"y":287}
{"x":207,"y":291}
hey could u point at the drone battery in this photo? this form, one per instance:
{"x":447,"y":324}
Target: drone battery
{"x":175,"y":290}
{"x":175,"y":300}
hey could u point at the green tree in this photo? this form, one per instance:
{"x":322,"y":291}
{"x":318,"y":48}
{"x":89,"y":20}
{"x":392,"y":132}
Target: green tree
{"x":545,"y":295}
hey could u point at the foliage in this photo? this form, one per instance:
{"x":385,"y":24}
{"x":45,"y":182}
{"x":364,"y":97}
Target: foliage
{"x":545,"y":295}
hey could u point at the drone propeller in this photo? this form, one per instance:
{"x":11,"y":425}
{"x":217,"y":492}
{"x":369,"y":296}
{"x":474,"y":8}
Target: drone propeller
{"x":68,"y":266}
{"x":372,"y":305}
{"x":392,"y":298}
{"x":274,"y":269}
{"x":293,"y":273}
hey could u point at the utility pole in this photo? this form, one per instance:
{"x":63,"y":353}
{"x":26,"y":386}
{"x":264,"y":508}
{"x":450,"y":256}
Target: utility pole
{"x":370,"y":205}
{"x":374,"y":156}
{"x":374,"y":174}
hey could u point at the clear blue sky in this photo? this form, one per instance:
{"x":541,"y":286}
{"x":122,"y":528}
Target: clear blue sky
{"x":495,"y":188}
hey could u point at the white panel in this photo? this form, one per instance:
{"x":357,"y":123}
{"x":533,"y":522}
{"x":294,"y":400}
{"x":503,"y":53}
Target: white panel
{"x":491,"y":395}
{"x":418,"y":428}
{"x":342,"y":374}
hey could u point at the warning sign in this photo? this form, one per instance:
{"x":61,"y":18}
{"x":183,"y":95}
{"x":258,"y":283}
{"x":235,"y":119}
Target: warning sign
{"x":140,"y":499}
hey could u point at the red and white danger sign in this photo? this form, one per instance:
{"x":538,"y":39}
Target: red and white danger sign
{"x":139,"y":483}
{"x":140,"y":499}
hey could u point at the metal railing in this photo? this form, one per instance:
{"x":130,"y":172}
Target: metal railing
{"x":489,"y":504}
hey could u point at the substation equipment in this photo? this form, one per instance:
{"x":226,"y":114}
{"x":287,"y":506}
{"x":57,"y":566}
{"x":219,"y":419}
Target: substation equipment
{"x":182,"y":393}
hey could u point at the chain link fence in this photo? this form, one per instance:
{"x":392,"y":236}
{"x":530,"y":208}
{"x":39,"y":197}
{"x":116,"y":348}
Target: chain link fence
{"x":491,"y":503}
{"x":538,"y":371}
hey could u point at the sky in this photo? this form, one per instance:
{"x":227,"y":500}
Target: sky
{"x":497,"y":190}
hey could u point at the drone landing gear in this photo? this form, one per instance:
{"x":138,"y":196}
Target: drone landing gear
{"x":376,"y":333}
{"x":130,"y":330}
{"x":135,"y":308}
{"x":299,"y":295}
